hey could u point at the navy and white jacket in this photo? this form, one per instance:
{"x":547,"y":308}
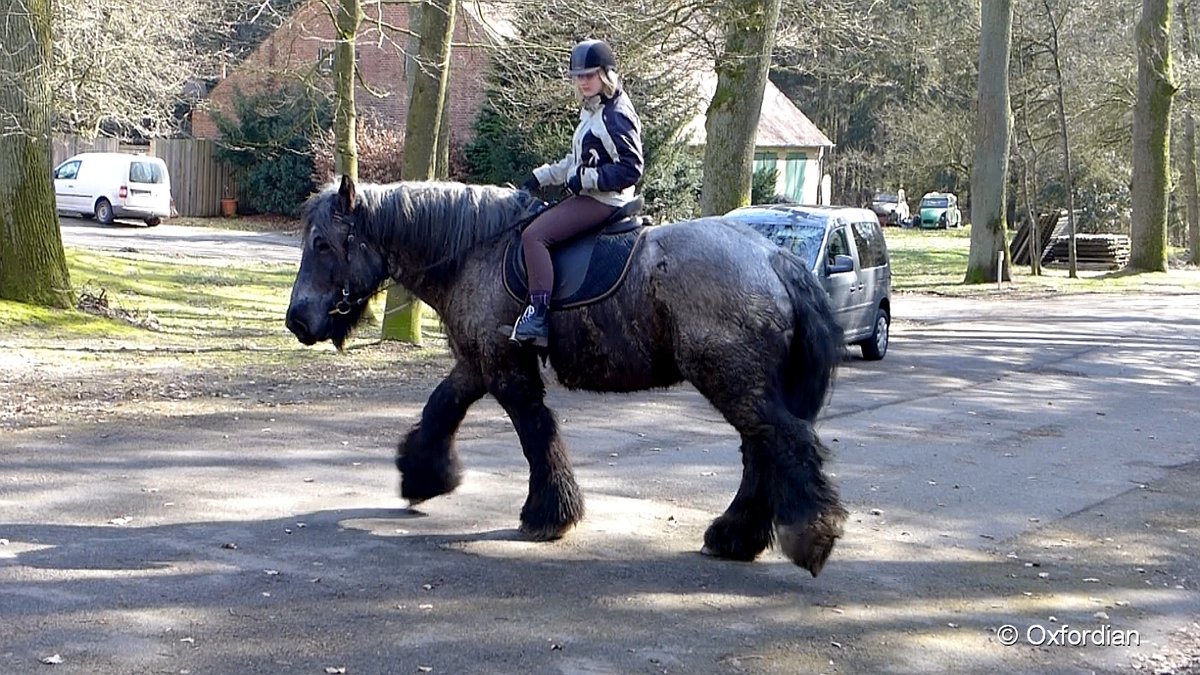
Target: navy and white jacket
{"x":606,"y":151}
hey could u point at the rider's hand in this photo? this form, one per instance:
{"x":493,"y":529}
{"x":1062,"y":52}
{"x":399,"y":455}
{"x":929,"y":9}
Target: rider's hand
{"x":574,"y":184}
{"x":531,"y":184}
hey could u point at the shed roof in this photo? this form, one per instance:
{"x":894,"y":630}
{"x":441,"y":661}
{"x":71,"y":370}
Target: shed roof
{"x":780,"y":125}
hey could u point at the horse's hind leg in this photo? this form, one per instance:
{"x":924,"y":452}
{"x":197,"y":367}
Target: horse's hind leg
{"x":554,"y":503}
{"x":808,"y":513}
{"x":744,"y":530}
{"x":782,"y":481}
{"x":426,"y":458}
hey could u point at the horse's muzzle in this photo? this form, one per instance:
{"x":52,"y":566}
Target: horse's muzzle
{"x":299,"y":328}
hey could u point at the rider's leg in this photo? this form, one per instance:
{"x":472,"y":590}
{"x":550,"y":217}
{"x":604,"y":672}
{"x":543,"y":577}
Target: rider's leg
{"x":569,"y":218}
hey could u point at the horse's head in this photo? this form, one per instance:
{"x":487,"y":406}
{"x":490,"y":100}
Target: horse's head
{"x":339,"y":268}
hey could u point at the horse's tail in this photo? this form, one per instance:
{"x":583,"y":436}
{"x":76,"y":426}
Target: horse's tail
{"x":808,"y":513}
{"x":816,"y":345}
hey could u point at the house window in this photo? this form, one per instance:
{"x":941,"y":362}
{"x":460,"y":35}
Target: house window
{"x":793,"y":172}
{"x":765,"y":161}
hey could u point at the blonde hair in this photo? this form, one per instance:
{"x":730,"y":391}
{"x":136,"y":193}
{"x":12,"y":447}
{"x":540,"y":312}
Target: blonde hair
{"x":610,"y":83}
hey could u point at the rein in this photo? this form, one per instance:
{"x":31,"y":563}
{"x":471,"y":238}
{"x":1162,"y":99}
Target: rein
{"x":347,"y":305}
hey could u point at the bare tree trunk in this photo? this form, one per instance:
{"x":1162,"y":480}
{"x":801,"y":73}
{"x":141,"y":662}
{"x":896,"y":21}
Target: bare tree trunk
{"x":1061,"y":110}
{"x":442,"y":170}
{"x":1068,"y":180}
{"x":993,"y":129}
{"x":33,"y":267}
{"x":429,"y":79}
{"x":1189,"y":147}
{"x":1029,"y":189}
{"x":425,"y":134}
{"x":1152,"y":138}
{"x":1029,"y":171}
{"x":1190,"y":188}
{"x":731,"y":124}
{"x":345,"y":121}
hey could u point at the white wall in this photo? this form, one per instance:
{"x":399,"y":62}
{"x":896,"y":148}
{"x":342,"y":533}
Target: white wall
{"x":811,"y":184}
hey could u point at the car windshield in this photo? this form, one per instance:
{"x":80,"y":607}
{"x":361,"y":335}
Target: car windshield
{"x":934,"y":203}
{"x":797,"y":231}
{"x":886,"y":198}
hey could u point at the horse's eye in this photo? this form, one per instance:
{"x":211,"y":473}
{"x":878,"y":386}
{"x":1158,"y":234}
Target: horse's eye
{"x":320,"y":245}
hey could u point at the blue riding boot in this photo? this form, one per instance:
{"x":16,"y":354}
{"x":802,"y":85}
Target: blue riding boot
{"x":533,"y":326}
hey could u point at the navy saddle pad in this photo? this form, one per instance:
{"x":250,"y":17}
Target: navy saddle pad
{"x":587,"y":269}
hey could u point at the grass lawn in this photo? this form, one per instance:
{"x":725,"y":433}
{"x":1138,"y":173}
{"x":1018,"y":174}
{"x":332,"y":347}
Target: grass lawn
{"x":258,"y":223}
{"x":935,"y":261}
{"x":200,"y":310}
{"x":179,"y":336}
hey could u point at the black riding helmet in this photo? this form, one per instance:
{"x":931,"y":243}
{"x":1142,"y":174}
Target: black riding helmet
{"x":592,"y":55}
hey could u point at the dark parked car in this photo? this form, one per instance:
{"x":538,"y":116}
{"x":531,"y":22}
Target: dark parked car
{"x":890,"y":207}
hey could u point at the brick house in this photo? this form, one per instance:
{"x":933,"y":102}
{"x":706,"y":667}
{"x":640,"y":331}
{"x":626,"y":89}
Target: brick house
{"x":303,"y":48}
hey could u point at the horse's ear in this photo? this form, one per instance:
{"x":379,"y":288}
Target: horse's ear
{"x":346,"y":194}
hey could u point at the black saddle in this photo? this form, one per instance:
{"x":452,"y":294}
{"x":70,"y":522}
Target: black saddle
{"x":587,"y":268}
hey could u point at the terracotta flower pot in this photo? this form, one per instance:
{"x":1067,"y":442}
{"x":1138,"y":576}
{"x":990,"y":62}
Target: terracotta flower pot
{"x":228,"y":207}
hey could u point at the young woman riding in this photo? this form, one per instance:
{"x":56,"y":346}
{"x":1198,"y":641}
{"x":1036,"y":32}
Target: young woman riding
{"x":604,"y":165}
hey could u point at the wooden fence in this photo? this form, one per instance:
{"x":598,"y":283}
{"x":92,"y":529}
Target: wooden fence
{"x":65,"y":146}
{"x":198,"y":180}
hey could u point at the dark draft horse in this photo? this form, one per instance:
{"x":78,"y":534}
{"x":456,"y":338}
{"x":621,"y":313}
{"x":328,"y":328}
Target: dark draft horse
{"x":708,"y":301}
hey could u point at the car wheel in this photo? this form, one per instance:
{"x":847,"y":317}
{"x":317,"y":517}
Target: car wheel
{"x":153,"y":222}
{"x":874,"y":347}
{"x":104,"y":212}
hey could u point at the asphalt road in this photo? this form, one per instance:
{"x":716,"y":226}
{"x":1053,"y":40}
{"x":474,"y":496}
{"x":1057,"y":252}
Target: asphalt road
{"x":1028,"y":464}
{"x":167,"y":239}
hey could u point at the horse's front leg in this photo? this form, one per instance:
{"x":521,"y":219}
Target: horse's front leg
{"x":554,"y":503}
{"x":428,"y":463}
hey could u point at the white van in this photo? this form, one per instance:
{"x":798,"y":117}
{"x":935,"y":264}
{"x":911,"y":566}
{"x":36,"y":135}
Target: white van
{"x":110,"y":185}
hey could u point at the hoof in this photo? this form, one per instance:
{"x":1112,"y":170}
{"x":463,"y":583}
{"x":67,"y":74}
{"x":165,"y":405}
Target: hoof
{"x":426,"y":470}
{"x":711,"y":552}
{"x":546,"y":533}
{"x":419,"y":487}
{"x":810,"y":546}
{"x":551,"y":511}
{"x":736,"y":538}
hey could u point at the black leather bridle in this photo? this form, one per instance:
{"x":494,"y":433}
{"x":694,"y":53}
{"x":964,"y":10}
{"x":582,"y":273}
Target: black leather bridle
{"x":346,"y":304}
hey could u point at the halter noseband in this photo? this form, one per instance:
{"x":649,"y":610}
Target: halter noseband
{"x":346,"y":305}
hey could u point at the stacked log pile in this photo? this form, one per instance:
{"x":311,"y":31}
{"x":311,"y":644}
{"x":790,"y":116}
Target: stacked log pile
{"x":1048,"y":224}
{"x":1092,"y":252}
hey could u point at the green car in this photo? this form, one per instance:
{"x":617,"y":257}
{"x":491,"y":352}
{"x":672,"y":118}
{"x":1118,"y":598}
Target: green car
{"x":939,"y":210}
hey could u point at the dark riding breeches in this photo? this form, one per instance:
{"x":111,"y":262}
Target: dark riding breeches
{"x":569,"y":218}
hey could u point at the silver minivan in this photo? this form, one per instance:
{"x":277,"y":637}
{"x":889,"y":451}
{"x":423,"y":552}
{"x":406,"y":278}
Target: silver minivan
{"x":846,"y":249}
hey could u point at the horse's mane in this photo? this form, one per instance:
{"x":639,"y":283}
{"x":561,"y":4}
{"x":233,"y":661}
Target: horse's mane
{"x":438,"y":221}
